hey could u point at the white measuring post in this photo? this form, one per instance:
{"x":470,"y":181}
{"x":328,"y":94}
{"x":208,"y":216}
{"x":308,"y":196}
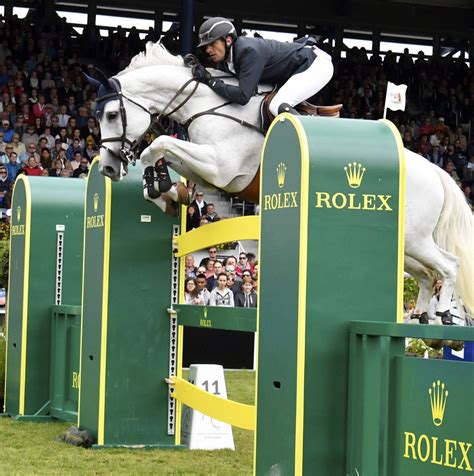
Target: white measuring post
{"x":199,"y":431}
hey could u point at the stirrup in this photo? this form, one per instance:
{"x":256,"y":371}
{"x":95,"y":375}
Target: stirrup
{"x":285,"y":107}
{"x":446,"y":318}
{"x":422,"y":318}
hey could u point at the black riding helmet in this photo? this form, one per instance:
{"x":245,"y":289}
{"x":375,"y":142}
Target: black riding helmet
{"x":215,"y":28}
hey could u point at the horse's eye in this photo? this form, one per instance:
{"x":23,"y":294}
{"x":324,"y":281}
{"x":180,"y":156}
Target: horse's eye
{"x":111,"y":116}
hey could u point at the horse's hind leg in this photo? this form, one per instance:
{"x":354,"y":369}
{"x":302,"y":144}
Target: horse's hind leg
{"x":425,"y":278}
{"x":446,"y":264}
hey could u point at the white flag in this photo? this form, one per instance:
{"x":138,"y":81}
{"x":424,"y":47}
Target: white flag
{"x":396,"y":97}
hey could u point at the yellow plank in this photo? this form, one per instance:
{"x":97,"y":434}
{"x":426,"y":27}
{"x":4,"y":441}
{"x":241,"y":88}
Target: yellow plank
{"x":227,"y":411}
{"x":223,"y":231}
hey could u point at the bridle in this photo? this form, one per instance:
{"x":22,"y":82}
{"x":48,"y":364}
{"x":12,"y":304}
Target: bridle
{"x":129,"y":155}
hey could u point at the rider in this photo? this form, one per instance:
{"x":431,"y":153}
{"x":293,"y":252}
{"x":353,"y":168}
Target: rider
{"x":300,"y":69}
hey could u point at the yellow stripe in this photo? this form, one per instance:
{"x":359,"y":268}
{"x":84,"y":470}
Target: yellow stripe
{"x":227,"y":411}
{"x":262,"y":165}
{"x":224,"y":231}
{"x":95,"y":163}
{"x":303,"y":263}
{"x":26,"y":279}
{"x":105,"y":310}
{"x":20,"y":180}
{"x":179,"y":353}
{"x":401,"y":217}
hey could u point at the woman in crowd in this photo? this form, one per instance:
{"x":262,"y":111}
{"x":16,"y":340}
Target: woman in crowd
{"x":191,"y":292}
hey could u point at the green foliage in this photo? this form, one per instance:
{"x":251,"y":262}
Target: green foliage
{"x":418,"y":347}
{"x":4,"y":263}
{"x":410,"y":289}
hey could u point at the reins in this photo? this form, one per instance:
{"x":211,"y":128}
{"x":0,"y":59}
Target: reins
{"x":129,"y":155}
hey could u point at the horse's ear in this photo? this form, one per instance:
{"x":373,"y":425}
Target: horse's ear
{"x":190,"y":60}
{"x":92,"y":81}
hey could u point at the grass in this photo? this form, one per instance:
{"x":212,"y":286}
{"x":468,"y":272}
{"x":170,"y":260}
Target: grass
{"x":31,"y":448}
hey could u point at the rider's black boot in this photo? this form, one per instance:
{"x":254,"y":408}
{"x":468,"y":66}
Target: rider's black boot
{"x":284,"y":107}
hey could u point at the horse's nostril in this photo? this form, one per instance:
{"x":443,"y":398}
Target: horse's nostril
{"x":109,"y":170}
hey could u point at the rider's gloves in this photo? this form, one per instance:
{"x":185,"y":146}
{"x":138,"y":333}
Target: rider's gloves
{"x":201,"y":74}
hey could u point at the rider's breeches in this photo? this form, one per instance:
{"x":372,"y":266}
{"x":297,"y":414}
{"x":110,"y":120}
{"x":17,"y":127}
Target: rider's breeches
{"x":302,"y":86}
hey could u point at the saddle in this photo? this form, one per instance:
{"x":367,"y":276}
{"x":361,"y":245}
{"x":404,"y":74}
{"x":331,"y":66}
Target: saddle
{"x":304,"y":108}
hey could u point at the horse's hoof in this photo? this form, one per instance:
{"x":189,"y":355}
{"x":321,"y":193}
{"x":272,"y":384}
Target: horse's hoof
{"x":183,"y":193}
{"x":435,"y":344}
{"x":456,"y":345}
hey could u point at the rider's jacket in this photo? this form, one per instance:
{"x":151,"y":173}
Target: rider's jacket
{"x":258,"y":60}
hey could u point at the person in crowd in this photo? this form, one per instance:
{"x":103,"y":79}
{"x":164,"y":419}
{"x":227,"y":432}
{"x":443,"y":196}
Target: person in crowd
{"x":45,"y":158}
{"x":13,"y":166}
{"x":221,"y":295}
{"x":212,"y":254}
{"x":247,"y":296}
{"x":203,"y":221}
{"x":91,"y":150}
{"x":204,"y":293}
{"x":48,"y":136}
{"x":30,"y":152}
{"x":56,"y":168}
{"x":451,"y":171}
{"x":74,"y":148}
{"x":32,"y":167}
{"x":212,"y":280}
{"x":192,"y":218}
{"x":200,"y":204}
{"x":201,"y":270}
{"x":300,"y":69}
{"x":209,"y":268}
{"x":211,"y":214}
{"x":466,"y":189}
{"x":242,"y":265}
{"x":30,"y":136}
{"x":191,"y":292}
{"x":190,"y":269}
{"x":18,"y":146}
{"x":4,"y":181}
{"x":232,"y":283}
{"x":435,"y":156}
{"x":83,"y":170}
{"x":7,"y":131}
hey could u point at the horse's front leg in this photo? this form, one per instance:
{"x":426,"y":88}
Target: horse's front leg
{"x":158,"y":187}
{"x":196,"y":162}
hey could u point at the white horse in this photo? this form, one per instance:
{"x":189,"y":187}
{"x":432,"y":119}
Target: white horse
{"x":221,"y":152}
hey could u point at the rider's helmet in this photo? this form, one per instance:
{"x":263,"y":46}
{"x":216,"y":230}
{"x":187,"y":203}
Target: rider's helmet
{"x":215,"y":28}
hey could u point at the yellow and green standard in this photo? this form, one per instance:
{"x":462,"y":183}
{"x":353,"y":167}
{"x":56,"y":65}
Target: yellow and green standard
{"x":331,"y":251}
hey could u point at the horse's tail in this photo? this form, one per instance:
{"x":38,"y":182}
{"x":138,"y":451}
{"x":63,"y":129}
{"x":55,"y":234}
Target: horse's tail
{"x":454,"y":233}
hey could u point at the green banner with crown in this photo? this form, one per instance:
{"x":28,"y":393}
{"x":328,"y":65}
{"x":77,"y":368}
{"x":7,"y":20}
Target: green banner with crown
{"x":434,"y":426}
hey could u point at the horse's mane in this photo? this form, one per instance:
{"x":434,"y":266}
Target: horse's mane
{"x":155,"y":54}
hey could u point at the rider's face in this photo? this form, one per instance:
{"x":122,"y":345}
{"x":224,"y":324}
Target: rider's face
{"x":216,"y":50}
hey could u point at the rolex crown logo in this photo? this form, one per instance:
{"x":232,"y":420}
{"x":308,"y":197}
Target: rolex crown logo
{"x":204,"y":312}
{"x":354,"y":173}
{"x":18,"y":213}
{"x":281,"y":174}
{"x":438,"y":396}
{"x":95,"y":199}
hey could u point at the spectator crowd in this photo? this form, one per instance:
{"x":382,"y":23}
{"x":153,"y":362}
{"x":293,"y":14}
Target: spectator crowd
{"x":48,"y":123}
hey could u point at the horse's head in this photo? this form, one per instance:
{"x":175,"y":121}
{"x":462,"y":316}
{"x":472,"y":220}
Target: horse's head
{"x":125,"y":119}
{"x":123,"y":124}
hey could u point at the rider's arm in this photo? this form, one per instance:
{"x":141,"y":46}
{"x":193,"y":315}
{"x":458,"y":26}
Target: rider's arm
{"x":250,"y":71}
